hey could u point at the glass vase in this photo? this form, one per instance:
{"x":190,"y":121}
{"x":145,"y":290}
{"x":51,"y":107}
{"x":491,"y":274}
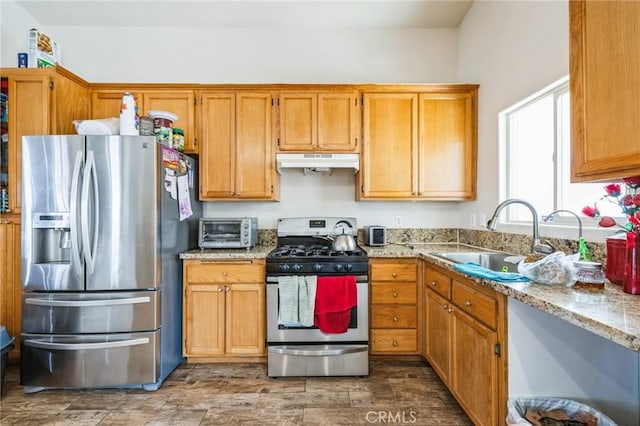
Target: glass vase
{"x":616,"y":258}
{"x":631,"y":283}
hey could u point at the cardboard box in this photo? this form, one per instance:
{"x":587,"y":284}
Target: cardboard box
{"x":42,"y":51}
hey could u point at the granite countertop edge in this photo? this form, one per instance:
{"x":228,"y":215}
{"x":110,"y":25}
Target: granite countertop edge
{"x":610,"y":313}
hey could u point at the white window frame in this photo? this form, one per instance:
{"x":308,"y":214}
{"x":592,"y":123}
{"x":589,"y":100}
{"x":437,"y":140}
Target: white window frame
{"x":562,"y":226}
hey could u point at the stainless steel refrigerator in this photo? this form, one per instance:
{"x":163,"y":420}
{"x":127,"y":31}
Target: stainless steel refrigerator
{"x":104,"y":219}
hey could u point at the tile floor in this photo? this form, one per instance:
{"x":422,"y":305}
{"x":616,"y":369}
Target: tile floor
{"x":398,"y":391}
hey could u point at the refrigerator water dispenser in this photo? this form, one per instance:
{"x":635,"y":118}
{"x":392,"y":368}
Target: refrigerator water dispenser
{"x":51,"y":237}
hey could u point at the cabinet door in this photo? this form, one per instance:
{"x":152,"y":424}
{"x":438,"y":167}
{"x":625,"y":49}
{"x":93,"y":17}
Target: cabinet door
{"x":447,"y":149}
{"x":217,"y":145}
{"x":390,"y":150}
{"x":605,"y":88}
{"x":10,"y":291}
{"x":255,"y":168}
{"x":106,"y":103}
{"x":29,"y":113}
{"x":437,"y":339}
{"x":338,"y":121}
{"x":298,"y":121}
{"x":245,"y":319}
{"x":474,"y":368}
{"x":179,"y":102}
{"x":204,"y":316}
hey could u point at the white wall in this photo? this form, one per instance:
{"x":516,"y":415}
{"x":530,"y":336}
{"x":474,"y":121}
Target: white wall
{"x":510,"y":48}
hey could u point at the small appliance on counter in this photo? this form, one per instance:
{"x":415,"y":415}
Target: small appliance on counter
{"x":228,"y":233}
{"x":375,"y":235}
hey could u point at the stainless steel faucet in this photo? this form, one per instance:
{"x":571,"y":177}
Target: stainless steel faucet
{"x":536,"y":245}
{"x":550,"y":217}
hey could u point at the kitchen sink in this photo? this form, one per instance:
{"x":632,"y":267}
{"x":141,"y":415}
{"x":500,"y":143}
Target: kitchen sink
{"x":499,"y":262}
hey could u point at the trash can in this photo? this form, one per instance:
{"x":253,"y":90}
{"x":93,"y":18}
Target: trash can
{"x":517,"y":407}
{"x":6,"y":344}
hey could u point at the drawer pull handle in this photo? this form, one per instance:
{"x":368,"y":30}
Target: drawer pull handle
{"x":394,"y":343}
{"x":468,"y":303}
{"x":394,"y":274}
{"x":394,"y":294}
{"x":395,"y":318}
{"x":434,"y":283}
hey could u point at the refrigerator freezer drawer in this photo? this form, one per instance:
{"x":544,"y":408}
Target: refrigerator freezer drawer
{"x":78,"y":313}
{"x":106,"y":360}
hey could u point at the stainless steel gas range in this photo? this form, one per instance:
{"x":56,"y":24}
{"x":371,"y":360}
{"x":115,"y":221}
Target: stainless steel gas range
{"x":304,"y":249}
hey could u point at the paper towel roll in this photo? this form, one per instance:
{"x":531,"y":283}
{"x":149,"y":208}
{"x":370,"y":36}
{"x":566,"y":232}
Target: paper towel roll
{"x":129,"y":120}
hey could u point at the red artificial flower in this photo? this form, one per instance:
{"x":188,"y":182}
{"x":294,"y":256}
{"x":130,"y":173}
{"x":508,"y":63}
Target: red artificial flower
{"x":590,"y":211}
{"x":636,"y":199}
{"x":607,"y":222}
{"x":633,"y":182}
{"x":628,"y":200}
{"x":612,"y":190}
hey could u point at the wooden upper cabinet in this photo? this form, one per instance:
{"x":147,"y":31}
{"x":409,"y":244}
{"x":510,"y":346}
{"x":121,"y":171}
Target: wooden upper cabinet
{"x":420,"y":145}
{"x":179,"y":102}
{"x":319,"y":121}
{"x":605,"y":89}
{"x":106,"y":103}
{"x":236,"y":148}
{"x":447,"y":148}
{"x":41,"y":101}
{"x":390,"y":152}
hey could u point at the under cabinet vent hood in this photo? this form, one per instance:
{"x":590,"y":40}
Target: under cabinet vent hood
{"x":318,"y":163}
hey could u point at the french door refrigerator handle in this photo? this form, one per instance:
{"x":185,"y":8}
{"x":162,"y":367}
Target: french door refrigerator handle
{"x":90,"y":243}
{"x":86,"y":303}
{"x":81,"y":346}
{"x":76,"y":243}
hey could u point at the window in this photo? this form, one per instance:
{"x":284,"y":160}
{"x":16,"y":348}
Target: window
{"x":536,"y":154}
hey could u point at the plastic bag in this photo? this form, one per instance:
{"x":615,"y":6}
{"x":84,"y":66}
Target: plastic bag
{"x":554,"y":269}
{"x":517,"y":407}
{"x":104,"y":126}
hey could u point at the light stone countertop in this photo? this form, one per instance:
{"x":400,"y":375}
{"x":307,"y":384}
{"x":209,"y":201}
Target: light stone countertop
{"x":609,"y":313}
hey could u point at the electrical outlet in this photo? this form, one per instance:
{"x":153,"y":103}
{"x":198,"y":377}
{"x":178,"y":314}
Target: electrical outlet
{"x":398,"y":221}
{"x":483,"y":220}
{"x":472,"y":220}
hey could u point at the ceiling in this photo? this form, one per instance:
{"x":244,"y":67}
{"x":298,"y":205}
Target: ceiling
{"x":338,"y":14}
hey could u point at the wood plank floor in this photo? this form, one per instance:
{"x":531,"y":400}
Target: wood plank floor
{"x":398,"y":391}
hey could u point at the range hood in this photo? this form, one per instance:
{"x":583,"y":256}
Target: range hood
{"x":318,"y":162}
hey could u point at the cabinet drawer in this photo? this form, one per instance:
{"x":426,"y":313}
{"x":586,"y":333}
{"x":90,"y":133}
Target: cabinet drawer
{"x":394,"y":293}
{"x":394,"y":316}
{"x":438,"y":282}
{"x":394,"y":341}
{"x":248,"y":271}
{"x":479,"y":305}
{"x":396,"y":271}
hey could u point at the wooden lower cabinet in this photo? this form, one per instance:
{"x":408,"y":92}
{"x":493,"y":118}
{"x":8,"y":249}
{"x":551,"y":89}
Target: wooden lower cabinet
{"x":394,"y":307}
{"x":224,"y":309}
{"x":465,"y":342}
{"x":10,"y":290}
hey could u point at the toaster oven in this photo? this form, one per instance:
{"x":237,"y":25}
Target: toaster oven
{"x":228,"y":232}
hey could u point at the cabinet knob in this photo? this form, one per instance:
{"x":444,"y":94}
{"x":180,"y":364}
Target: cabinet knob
{"x":450,"y":310}
{"x":225,"y":273}
{"x":468,"y":303}
{"x":394,"y":343}
{"x":395,"y":318}
{"x":394,"y":274}
{"x":434,"y":283}
{"x":445,"y":307}
{"x":394,"y":294}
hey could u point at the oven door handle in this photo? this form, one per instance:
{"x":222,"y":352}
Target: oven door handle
{"x":283,"y":350}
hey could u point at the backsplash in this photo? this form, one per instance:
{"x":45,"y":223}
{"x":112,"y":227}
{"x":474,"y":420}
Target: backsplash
{"x":512,"y":243}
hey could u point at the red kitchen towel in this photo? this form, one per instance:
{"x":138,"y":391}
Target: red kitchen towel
{"x":335,"y":296}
